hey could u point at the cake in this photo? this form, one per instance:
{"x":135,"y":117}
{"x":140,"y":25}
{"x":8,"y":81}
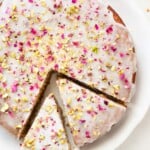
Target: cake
{"x":89,"y":115}
{"x":47,"y":131}
{"x":83,"y":40}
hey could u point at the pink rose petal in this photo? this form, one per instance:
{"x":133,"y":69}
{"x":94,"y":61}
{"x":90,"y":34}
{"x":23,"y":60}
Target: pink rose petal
{"x":14,"y":87}
{"x":74,"y":1}
{"x":109,"y":30}
{"x":30,"y":1}
{"x":96,"y":27}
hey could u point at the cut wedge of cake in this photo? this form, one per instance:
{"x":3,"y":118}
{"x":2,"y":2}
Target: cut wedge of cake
{"x":24,"y":62}
{"x":47,"y":131}
{"x":89,"y":115}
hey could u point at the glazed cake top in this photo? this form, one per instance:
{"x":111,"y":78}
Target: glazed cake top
{"x":78,"y":38}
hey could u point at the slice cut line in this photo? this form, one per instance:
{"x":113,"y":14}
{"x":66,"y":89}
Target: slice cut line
{"x":47,"y":131}
{"x":96,"y":91}
{"x":36,"y":107}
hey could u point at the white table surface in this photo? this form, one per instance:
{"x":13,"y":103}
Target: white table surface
{"x":140,"y":138}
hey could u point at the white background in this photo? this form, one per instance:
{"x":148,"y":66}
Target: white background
{"x":140,"y":138}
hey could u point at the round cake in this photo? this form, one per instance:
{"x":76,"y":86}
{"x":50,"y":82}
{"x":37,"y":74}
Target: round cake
{"x":83,"y":41}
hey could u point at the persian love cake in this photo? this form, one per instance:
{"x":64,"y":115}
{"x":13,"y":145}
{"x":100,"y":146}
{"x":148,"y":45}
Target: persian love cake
{"x":89,"y":115}
{"x":47,"y":131}
{"x":83,"y":39}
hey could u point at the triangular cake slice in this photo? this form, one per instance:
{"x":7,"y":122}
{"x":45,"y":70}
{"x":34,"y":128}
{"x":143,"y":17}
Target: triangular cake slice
{"x":47,"y":131}
{"x":89,"y":115}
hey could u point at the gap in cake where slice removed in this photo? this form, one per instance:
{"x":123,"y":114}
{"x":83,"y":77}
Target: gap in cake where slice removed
{"x":88,"y":114}
{"x":53,"y":88}
{"x":47,"y":131}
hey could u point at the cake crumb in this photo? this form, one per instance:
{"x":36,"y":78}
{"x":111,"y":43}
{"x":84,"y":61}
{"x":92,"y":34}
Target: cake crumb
{"x":148,"y":10}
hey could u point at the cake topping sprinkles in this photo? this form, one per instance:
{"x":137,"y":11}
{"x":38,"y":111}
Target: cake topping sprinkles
{"x":47,"y":131}
{"x":78,"y":38}
{"x":89,"y":115}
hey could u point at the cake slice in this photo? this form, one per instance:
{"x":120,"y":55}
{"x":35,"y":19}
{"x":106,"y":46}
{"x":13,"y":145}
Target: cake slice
{"x":47,"y":131}
{"x":89,"y":115}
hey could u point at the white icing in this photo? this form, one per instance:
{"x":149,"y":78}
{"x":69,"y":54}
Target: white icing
{"x":88,"y":115}
{"x":48,"y":124}
{"x":40,"y":29}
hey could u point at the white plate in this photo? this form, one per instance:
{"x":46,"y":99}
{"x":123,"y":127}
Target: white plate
{"x":139,"y":28}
